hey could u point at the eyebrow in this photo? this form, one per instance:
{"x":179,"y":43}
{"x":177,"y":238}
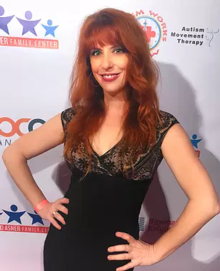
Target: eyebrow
{"x":96,"y":48}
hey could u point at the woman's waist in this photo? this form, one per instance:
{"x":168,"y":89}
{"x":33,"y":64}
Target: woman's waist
{"x":109,"y":221}
{"x":91,"y":238}
{"x":99,"y":230}
{"x":103,"y":205}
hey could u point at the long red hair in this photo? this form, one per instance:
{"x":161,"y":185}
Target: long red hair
{"x":112,"y":26}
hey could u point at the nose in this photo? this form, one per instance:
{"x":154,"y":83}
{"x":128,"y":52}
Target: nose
{"x":107,"y":61}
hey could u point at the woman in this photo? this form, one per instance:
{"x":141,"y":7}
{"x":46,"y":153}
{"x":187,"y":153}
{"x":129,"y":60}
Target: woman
{"x":115,"y":138}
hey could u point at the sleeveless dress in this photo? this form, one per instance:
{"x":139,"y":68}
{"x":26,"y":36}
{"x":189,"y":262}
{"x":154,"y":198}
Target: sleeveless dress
{"x":100,"y":204}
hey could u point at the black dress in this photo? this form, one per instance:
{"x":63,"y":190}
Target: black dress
{"x":102,"y":203}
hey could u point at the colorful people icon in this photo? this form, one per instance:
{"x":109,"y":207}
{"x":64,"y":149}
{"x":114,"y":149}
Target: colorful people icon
{"x":36,"y":218}
{"x":28,"y":25}
{"x":4,"y":21}
{"x":14,"y":215}
{"x":195,"y":141}
{"x":49,"y":28}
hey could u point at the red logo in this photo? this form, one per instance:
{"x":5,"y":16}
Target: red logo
{"x":155,"y":28}
{"x":15,"y":125}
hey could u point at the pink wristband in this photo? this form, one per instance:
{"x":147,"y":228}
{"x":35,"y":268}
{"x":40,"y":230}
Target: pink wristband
{"x":40,"y":205}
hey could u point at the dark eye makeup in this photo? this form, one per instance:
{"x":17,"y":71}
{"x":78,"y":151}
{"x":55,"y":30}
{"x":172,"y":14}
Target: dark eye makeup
{"x":96,"y":52}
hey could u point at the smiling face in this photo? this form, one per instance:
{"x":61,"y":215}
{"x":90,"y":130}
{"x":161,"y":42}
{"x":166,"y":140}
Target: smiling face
{"x":109,"y":64}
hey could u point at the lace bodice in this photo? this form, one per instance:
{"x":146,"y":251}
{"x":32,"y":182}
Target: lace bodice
{"x":110,"y":163}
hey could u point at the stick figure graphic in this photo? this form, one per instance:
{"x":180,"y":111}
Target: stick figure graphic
{"x":50,"y":28}
{"x":4,"y":21}
{"x":28,"y":25}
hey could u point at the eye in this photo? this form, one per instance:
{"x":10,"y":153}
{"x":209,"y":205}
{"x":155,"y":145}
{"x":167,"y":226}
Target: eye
{"x":118,"y":50}
{"x":95,"y":52}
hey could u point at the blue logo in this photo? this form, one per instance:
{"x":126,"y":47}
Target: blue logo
{"x":14,"y":215}
{"x":195,"y":141}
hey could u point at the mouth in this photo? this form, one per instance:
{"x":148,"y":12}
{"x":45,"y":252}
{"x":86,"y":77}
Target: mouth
{"x":108,"y":77}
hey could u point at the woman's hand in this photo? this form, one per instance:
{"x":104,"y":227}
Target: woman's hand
{"x":137,"y":251}
{"x":50,"y":212}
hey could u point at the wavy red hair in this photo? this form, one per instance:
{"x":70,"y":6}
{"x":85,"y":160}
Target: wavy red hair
{"x":115,"y":27}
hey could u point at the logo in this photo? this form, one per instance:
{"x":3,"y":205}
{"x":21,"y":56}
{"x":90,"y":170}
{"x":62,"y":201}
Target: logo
{"x":27,"y":26}
{"x":15,"y":126}
{"x":210,"y":34}
{"x":9,"y":128}
{"x":14,"y":219}
{"x":195,"y":141}
{"x":195,"y":36}
{"x":155,"y":28}
{"x":156,"y":225}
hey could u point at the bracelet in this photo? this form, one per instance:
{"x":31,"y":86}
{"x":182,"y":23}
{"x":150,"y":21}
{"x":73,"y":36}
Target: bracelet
{"x":40,"y":205}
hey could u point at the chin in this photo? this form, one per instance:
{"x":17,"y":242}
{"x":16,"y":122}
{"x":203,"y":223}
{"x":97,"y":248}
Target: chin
{"x":113,"y":91}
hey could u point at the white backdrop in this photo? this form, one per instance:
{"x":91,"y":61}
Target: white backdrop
{"x":36,"y":58}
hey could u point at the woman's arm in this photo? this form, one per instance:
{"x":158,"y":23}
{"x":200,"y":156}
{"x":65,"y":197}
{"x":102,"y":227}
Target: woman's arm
{"x":15,"y":157}
{"x":194,"y":180}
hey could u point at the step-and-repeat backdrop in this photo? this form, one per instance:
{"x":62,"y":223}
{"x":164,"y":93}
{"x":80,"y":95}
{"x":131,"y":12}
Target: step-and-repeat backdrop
{"x":37,"y":48}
